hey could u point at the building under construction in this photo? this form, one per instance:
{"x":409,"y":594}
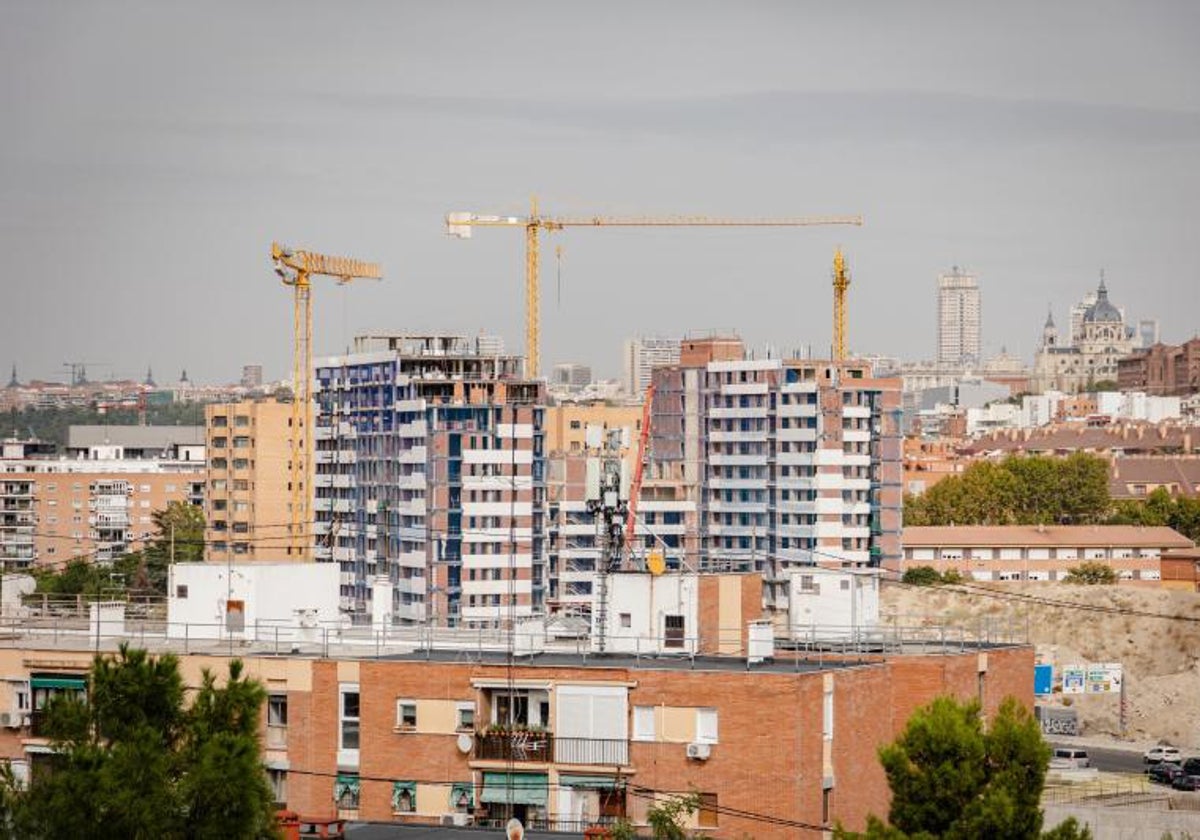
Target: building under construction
{"x":430,"y":480}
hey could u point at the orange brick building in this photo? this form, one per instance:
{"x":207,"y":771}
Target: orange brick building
{"x":568,"y":741}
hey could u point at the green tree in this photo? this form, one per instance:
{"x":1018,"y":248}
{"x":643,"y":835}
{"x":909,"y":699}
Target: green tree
{"x":133,"y":762}
{"x":1020,"y":490}
{"x":952,"y":778}
{"x":921,"y":576}
{"x":667,"y":818}
{"x":1091,"y":573}
{"x":178,"y":537}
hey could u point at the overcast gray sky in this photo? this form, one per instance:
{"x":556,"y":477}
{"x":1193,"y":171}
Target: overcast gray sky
{"x":150,"y":152}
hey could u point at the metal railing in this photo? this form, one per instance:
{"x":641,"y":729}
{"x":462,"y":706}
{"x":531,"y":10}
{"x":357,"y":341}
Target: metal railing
{"x":515,"y":745}
{"x":591,"y":751}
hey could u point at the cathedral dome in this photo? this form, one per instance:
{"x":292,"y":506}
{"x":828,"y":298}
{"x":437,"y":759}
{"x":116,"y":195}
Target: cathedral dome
{"x":1102,"y":312}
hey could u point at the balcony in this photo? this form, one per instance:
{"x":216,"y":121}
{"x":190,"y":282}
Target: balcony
{"x":515,"y":745}
{"x":543,"y":747}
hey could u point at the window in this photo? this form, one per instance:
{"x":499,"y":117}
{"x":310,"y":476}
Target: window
{"x":643,"y":723}
{"x":827,"y":715}
{"x":181,"y":591}
{"x":406,"y":714}
{"x":219,"y":421}
{"x":626,"y":620}
{"x":404,"y":797}
{"x":706,"y":726}
{"x":277,"y":706}
{"x":707,"y":815}
{"x":464,"y":715}
{"x":673,"y":631}
{"x":348,"y":725}
{"x":241,"y":421}
{"x":345,"y":791}
{"x":278,"y":781}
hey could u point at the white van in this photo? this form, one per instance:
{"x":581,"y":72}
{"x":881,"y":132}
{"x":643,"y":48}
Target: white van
{"x":1069,"y":757}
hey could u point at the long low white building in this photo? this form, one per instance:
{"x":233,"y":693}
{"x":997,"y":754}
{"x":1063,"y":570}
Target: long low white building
{"x":1040,"y":552}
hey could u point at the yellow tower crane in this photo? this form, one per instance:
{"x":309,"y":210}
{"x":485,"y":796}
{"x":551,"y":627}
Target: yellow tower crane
{"x":841,"y":282}
{"x":460,"y":225}
{"x":294,"y":269}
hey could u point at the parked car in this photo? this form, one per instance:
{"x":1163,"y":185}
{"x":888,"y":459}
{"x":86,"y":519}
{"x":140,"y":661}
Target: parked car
{"x":1164,"y":772}
{"x":1185,"y":781}
{"x":1069,"y":757}
{"x":1188,"y":777}
{"x":1161,"y":753}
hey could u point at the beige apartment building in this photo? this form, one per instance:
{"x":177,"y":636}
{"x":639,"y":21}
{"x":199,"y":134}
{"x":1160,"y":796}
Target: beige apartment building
{"x":247,"y":498}
{"x":566,"y":425}
{"x":97,"y":504}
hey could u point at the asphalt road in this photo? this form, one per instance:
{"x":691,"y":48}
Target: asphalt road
{"x":1111,"y":761}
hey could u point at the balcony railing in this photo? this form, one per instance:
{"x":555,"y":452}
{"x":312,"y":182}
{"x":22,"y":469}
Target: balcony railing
{"x":591,"y":751}
{"x":535,"y":746}
{"x":517,"y":745}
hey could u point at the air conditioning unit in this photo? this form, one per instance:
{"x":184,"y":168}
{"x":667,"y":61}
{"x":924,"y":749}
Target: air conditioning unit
{"x":10,"y":721}
{"x":700,"y":752}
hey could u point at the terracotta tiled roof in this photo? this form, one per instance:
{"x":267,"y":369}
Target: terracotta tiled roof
{"x":1181,"y":471}
{"x":983,"y":536}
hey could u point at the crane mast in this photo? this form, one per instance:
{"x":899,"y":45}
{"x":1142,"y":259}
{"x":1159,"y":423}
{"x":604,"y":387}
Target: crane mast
{"x":460,"y":224}
{"x":841,"y":282}
{"x":295,"y":268}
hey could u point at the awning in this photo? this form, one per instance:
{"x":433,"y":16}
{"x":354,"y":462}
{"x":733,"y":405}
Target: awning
{"x":594,"y":782}
{"x":37,"y":681}
{"x":517,"y":788}
{"x":458,"y":791}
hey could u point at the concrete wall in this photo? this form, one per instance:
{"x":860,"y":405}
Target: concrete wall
{"x":271,"y":594}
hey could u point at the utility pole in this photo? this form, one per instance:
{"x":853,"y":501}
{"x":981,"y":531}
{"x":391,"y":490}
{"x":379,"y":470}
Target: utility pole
{"x":608,"y":501}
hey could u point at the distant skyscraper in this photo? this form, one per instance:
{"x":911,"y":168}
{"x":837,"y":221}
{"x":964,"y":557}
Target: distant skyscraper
{"x":252,"y":376}
{"x":642,"y":355}
{"x":958,"y":318}
{"x":1077,"y":312}
{"x":1148,"y":332}
{"x":571,"y":375}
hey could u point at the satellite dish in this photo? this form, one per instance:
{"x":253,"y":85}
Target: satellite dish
{"x":464,"y":743}
{"x":656,"y":563}
{"x":513,"y":829}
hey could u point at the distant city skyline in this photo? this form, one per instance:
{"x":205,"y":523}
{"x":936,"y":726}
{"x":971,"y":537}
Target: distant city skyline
{"x":144,"y":185}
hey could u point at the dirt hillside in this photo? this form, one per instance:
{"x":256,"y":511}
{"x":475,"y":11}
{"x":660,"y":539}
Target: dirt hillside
{"x":1161,"y":656}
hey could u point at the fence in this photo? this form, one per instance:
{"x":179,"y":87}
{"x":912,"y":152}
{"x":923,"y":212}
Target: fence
{"x":818,"y":646}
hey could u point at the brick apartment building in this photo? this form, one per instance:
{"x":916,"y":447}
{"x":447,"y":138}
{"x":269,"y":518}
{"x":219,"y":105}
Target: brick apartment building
{"x":788,"y":461}
{"x":98,"y":502}
{"x":567,"y":741}
{"x":1162,"y":369}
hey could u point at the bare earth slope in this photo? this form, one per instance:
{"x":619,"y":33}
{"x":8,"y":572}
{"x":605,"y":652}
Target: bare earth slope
{"x":1161,"y":655}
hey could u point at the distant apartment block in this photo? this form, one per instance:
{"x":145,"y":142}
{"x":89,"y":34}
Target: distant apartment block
{"x":430,"y":475}
{"x":641,"y":356}
{"x":98,"y":503}
{"x":792,"y":462}
{"x":571,"y":375}
{"x":958,"y":318}
{"x":1162,"y":369}
{"x":247,"y":499}
{"x":1040,"y":552}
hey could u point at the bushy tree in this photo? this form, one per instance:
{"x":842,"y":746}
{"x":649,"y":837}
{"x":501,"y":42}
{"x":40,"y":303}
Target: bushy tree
{"x":1091,"y":573}
{"x":952,"y":778}
{"x":1020,"y":490}
{"x":1160,"y":508}
{"x":133,"y":762}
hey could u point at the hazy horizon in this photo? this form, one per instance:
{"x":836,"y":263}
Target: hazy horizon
{"x":153,"y":152}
